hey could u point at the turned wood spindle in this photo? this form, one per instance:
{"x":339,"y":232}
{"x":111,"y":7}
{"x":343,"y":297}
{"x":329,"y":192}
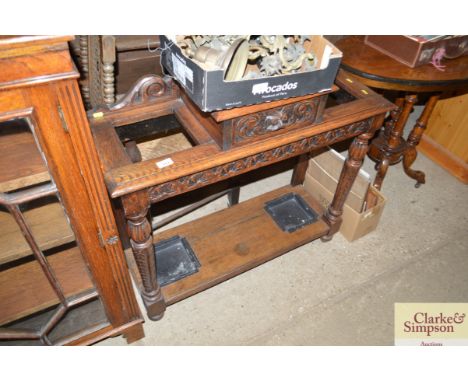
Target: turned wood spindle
{"x":357,"y":153}
{"x":84,"y":62}
{"x":394,"y":143}
{"x":136,"y":206}
{"x":108,"y":61}
{"x":414,"y":137}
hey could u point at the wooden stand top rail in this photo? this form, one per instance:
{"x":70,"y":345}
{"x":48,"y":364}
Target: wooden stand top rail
{"x":157,"y":97}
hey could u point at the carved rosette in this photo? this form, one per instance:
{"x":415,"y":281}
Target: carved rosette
{"x":146,"y":89}
{"x":215,"y":174}
{"x":265,"y":122}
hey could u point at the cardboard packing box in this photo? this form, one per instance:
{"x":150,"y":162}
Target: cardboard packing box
{"x":326,"y":166}
{"x":361,"y":215}
{"x":208,"y":89}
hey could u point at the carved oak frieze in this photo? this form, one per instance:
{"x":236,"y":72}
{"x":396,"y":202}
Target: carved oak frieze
{"x":264,"y":122}
{"x":215,"y":174}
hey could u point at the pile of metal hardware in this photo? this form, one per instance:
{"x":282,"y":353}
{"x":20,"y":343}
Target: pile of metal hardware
{"x":249,"y":57}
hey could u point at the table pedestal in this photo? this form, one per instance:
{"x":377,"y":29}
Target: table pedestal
{"x":390,"y":147}
{"x":379,"y":71}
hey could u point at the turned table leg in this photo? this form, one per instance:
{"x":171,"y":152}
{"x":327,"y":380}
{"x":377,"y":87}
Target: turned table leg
{"x":394,"y":115}
{"x":382,"y":166}
{"x":414,"y":137}
{"x":388,"y":148}
{"x":357,"y":153}
{"x":84,"y":63}
{"x":136,"y":207}
{"x":108,"y":61}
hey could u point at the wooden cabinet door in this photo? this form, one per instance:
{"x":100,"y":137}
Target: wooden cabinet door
{"x":69,"y":211}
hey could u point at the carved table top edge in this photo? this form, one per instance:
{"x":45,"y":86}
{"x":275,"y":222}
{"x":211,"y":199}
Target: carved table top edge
{"x":408,"y":86}
{"x":381,"y":71}
{"x":136,"y":176}
{"x":155,"y":96}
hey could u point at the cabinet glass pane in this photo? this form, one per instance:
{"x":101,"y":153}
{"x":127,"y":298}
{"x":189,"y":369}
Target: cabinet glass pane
{"x":44,"y":280}
{"x":21,"y":163}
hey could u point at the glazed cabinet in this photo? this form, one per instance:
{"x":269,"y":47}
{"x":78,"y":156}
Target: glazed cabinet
{"x":63,"y":275}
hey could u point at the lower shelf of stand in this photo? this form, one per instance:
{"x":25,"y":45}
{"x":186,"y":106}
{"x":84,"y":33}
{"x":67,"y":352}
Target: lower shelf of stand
{"x":232,"y":241}
{"x":24,"y":288}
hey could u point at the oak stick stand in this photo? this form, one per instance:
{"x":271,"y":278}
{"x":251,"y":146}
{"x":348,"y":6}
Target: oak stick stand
{"x":227,"y":144}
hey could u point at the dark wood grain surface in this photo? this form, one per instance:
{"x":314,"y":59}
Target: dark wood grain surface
{"x":381,"y":71}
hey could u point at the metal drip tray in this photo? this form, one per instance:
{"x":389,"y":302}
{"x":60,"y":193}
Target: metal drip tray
{"x":175,"y":260}
{"x":291,"y":212}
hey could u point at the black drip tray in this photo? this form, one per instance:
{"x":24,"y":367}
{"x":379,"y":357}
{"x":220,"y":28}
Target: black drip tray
{"x":175,"y":260}
{"x":291,"y":212}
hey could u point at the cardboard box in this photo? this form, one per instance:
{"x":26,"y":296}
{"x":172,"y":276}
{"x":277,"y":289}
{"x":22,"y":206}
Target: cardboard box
{"x":209,"y":90}
{"x":326,"y":167}
{"x":418,"y":50}
{"x":355,"y":224}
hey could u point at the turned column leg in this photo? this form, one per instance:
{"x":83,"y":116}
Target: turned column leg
{"x":382,"y":166}
{"x":300,"y":170}
{"x":414,"y":137}
{"x":394,"y":116}
{"x":84,"y":63}
{"x":108,"y":61}
{"x":136,"y":207}
{"x":393,"y":148}
{"x":357,"y":152}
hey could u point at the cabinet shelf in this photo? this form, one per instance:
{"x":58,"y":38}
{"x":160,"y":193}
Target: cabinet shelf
{"x":24,"y":289}
{"x":248,"y":237}
{"x":21,"y":163}
{"x":49,"y":226}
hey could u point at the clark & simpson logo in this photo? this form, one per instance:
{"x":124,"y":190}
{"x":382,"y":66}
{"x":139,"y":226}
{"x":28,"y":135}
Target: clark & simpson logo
{"x":431,"y":324}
